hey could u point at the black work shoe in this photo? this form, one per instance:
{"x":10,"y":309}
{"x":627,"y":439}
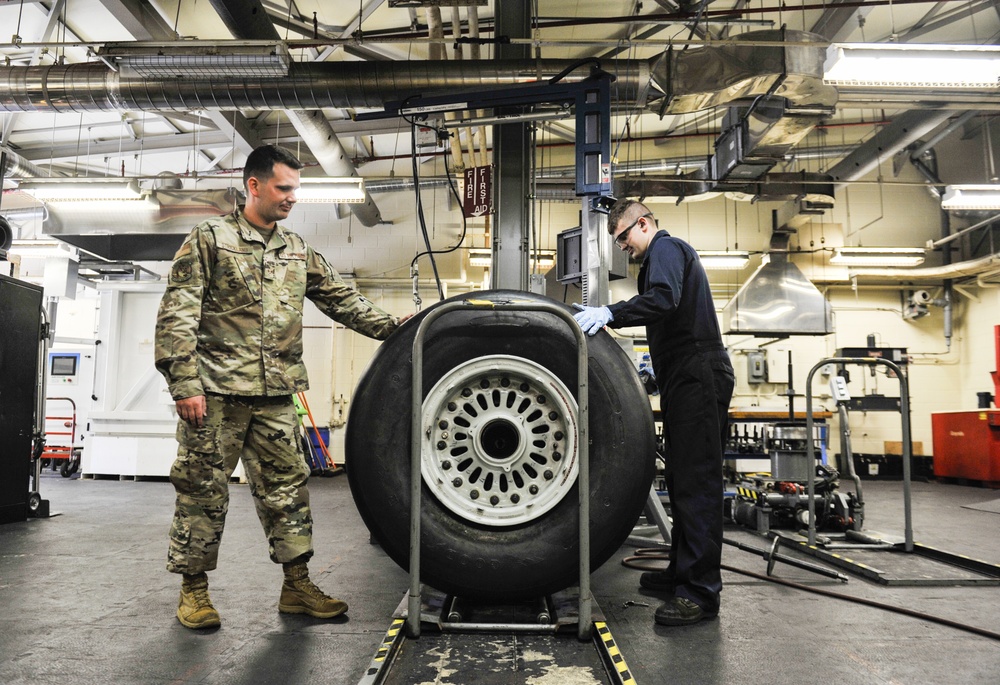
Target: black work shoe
{"x":680,"y":611}
{"x":658,"y":581}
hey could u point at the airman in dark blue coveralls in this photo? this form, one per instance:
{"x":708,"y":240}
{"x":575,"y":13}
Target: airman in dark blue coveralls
{"x":695,"y":379}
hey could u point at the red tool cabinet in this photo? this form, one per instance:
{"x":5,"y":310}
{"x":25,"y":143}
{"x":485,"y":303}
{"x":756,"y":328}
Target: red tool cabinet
{"x":967,"y":445}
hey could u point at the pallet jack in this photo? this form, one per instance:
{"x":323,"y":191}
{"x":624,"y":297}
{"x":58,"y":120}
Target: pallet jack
{"x":571,"y":610}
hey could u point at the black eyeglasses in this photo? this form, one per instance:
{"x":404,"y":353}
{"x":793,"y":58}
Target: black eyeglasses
{"x":622,"y":237}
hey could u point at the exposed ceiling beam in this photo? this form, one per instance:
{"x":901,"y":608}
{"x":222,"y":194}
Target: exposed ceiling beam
{"x":248,"y":19}
{"x":51,"y":22}
{"x":837,"y":22}
{"x":239,"y":130}
{"x":140,"y":19}
{"x":965,"y":11}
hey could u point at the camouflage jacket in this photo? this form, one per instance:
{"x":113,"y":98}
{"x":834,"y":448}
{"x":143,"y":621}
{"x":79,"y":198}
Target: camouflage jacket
{"x":230,"y":321}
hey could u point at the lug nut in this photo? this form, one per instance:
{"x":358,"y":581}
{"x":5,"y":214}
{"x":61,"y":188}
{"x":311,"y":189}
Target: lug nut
{"x":441,"y":444}
{"x":553,"y":416}
{"x":541,"y":399}
{"x":505,"y":382}
{"x":524,"y":387}
{"x":533,"y":489}
{"x":515,"y":498}
{"x":466,"y":392}
{"x":494,"y":500}
{"x":457,"y":482}
{"x":452,"y":406}
{"x":446,"y":465}
{"x":484,"y":383}
{"x":474,"y":494}
{"x":557,"y":455}
{"x":547,"y":474}
{"x":442,"y":424}
{"x":558,"y":435}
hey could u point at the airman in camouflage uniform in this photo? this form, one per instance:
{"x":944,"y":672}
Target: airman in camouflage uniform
{"x":229,"y":343}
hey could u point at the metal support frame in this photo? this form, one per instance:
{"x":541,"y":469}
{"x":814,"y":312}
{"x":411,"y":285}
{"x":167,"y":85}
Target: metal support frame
{"x":904,"y":410}
{"x":584,"y":623}
{"x":990,"y":573}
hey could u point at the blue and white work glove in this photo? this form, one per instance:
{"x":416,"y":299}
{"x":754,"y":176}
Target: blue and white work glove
{"x":592,"y":319}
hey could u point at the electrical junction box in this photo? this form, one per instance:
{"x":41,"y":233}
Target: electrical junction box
{"x":756,"y":367}
{"x":777,"y":364}
{"x":838,"y":389}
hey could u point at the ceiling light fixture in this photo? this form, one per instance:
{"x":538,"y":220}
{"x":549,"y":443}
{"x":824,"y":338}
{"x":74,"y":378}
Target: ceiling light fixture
{"x":199,"y":61}
{"x":81,"y":189}
{"x":724,"y":259}
{"x":341,"y":190}
{"x":483,"y":256}
{"x":971,"y":197}
{"x":543,"y":258}
{"x":480,"y":256}
{"x":877,"y":256}
{"x":894,"y":65}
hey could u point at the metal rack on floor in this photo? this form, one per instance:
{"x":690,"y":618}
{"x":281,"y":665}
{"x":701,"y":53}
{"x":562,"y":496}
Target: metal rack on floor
{"x":832,"y":548}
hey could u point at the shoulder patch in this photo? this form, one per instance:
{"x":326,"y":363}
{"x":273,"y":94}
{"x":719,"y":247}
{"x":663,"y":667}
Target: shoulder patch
{"x":182,"y":270}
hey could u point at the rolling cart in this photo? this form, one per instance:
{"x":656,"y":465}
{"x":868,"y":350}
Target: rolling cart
{"x":63,"y":429}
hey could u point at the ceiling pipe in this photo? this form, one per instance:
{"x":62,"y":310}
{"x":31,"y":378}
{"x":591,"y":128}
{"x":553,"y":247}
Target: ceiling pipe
{"x":972,"y":267}
{"x":14,"y":165}
{"x":93,"y":87}
{"x":904,"y":130}
{"x":247,"y":19}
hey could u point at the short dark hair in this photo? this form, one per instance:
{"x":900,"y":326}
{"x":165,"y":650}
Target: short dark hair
{"x":625,"y":209}
{"x":260,"y":162}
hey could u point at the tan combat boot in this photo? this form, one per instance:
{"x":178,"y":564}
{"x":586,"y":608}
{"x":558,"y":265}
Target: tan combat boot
{"x":195,"y":610}
{"x":299,"y":595}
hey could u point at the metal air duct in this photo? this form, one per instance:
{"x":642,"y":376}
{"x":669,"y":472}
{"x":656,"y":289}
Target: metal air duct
{"x":17,"y":166}
{"x":248,"y":19}
{"x":93,"y":87}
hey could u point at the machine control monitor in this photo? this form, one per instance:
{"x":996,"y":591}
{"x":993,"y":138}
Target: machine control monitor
{"x":64,"y":367}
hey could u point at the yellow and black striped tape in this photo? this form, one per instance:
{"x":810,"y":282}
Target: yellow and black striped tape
{"x":748,"y":493}
{"x":390,"y":637}
{"x":614,"y":654}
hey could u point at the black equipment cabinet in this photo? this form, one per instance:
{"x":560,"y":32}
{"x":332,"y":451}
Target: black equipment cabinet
{"x":20,"y":339}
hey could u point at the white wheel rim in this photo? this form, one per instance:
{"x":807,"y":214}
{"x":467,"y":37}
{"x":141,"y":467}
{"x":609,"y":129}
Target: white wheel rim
{"x":499,"y":445}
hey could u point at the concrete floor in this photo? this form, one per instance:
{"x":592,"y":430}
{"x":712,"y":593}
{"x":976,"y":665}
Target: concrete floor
{"x":84,"y":598}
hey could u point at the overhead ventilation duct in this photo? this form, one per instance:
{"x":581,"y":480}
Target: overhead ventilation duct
{"x":773,"y":82}
{"x":94,"y":87}
{"x":16,"y":166}
{"x":777,"y":63}
{"x":778,"y":300}
{"x":812,"y":191}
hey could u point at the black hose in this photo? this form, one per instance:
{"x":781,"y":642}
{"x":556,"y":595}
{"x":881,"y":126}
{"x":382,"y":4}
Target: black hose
{"x":420,"y":213}
{"x":656,"y":554}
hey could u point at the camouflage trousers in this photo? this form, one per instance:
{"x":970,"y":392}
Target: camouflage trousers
{"x":263,"y":432}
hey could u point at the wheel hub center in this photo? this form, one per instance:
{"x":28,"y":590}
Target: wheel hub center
{"x":500,"y":439}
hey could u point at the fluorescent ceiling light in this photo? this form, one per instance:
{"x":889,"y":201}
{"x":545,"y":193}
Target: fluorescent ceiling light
{"x":543,"y":257}
{"x":82,"y":189}
{"x":347,"y":189}
{"x":971,"y":197}
{"x":877,"y":256}
{"x":167,"y":61}
{"x":894,"y":65}
{"x":724,"y":259}
{"x":480,"y":256}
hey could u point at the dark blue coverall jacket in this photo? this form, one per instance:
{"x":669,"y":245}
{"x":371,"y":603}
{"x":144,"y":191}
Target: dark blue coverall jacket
{"x":695,"y":379}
